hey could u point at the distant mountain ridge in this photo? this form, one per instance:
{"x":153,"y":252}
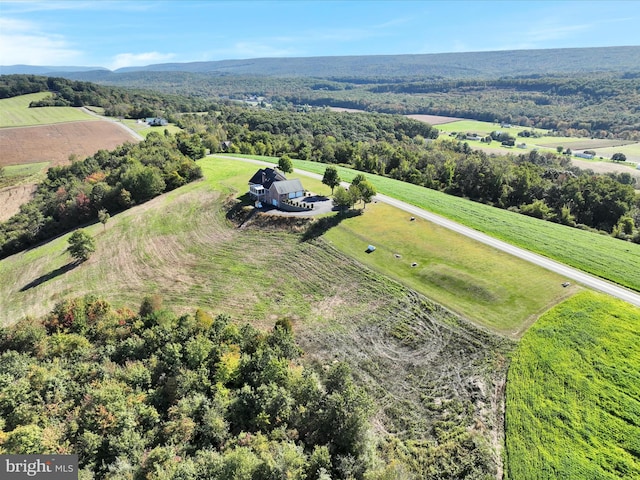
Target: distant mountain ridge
{"x":451,"y":65}
{"x":44,"y":70}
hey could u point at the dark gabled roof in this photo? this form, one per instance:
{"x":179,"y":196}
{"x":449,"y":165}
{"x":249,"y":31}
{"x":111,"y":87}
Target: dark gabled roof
{"x":266,"y":176}
{"x":284,"y":187}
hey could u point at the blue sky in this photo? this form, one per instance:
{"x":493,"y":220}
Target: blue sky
{"x":116,"y":34}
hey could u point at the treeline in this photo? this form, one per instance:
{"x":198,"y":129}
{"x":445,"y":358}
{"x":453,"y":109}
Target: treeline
{"x":117,"y":102}
{"x":113,"y":181}
{"x":536,"y":184}
{"x":596,"y":105}
{"x":153,"y":395}
{"x":588,"y":104}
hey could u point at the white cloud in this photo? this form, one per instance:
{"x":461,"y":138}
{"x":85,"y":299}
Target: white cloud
{"x":547,"y":32}
{"x":248,"y":49}
{"x":139,"y":59}
{"x":21,"y":42}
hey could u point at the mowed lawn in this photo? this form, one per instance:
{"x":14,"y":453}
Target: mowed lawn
{"x":600,"y":255}
{"x":15,"y":112}
{"x":573,"y":393}
{"x":489,"y":287}
{"x":180,"y":245}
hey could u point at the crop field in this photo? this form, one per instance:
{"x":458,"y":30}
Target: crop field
{"x":15,"y":112}
{"x":600,"y":255}
{"x":55,"y":143}
{"x":603,"y":147}
{"x":427,"y":369}
{"x":573,"y":393}
{"x":476,"y":126}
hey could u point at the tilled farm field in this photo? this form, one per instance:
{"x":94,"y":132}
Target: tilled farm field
{"x":55,"y":143}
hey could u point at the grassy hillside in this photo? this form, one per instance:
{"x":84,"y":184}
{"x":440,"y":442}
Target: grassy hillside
{"x":573,"y":393}
{"x":16,"y":112}
{"x":181,"y":245}
{"x":436,"y":379}
{"x":600,"y":255}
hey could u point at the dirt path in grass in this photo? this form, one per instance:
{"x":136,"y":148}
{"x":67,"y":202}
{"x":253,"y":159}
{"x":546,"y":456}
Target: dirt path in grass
{"x":569,"y":272}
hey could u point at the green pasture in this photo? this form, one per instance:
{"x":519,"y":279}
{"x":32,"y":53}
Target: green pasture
{"x":15,"y":112}
{"x":601,"y":255}
{"x":544,"y":142}
{"x":495,"y":290}
{"x":179,"y":244}
{"x":17,"y":174}
{"x":631,"y":151}
{"x":573,"y":393}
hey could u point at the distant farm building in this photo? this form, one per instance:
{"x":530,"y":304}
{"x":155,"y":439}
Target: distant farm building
{"x":473,"y":136}
{"x":588,"y":156}
{"x":157,"y":122}
{"x":271,"y":187}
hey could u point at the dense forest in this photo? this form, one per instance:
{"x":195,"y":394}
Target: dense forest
{"x":155,"y":395}
{"x":117,"y":102}
{"x":601,"y":105}
{"x":113,"y":181}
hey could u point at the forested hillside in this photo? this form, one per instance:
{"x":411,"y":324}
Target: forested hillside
{"x":156,"y":395}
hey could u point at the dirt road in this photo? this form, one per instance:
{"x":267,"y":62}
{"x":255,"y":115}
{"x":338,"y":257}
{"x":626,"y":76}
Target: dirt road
{"x":544,"y":262}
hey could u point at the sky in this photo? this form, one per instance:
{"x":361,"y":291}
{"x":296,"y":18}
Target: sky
{"x":119,"y":33}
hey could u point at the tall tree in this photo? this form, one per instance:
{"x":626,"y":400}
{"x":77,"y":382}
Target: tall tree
{"x":331,"y":178}
{"x":285,"y":164}
{"x":366,"y":191}
{"x":81,"y":245}
{"x":342,"y":199}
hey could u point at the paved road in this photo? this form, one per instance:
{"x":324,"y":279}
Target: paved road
{"x":569,"y":272}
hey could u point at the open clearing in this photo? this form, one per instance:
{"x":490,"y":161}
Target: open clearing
{"x":600,"y":255}
{"x":16,"y":112}
{"x":602,"y":147}
{"x":573,"y":393}
{"x":28,"y":151}
{"x":429,"y":371}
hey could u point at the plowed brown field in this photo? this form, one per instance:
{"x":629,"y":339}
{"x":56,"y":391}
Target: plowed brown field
{"x":55,"y":143}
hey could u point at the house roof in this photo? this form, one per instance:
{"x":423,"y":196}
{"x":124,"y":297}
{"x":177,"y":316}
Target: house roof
{"x":266,"y":176}
{"x":288,"y":186}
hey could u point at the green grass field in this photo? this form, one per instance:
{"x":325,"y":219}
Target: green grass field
{"x":26,"y":173}
{"x":472,"y":279}
{"x":597,"y":254}
{"x":573,"y":393}
{"x":15,"y":112}
{"x":165,"y":248}
{"x":543,"y":143}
